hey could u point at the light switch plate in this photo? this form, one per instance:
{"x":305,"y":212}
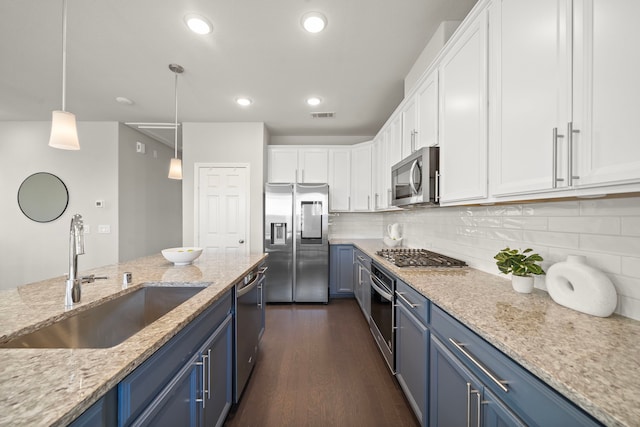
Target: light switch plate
{"x":104,"y":229}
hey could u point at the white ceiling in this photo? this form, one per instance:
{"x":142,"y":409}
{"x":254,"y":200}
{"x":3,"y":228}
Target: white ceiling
{"x":257,"y":49}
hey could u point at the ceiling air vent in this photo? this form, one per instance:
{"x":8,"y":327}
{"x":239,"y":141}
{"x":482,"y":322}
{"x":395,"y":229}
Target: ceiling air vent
{"x":322,"y":115}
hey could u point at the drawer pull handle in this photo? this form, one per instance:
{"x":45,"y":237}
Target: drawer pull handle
{"x":499,"y":383}
{"x":402,"y":297}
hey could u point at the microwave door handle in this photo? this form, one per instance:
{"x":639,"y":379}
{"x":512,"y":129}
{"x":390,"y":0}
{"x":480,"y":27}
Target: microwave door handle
{"x":412,"y":183}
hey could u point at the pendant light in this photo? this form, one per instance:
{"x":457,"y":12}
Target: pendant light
{"x":175,"y":167}
{"x":64,"y":133}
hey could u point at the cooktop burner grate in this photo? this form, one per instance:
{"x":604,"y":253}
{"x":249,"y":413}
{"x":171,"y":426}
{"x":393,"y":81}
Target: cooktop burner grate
{"x":419,"y":258}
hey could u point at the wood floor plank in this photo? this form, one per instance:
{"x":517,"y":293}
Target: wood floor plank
{"x":319,"y":366}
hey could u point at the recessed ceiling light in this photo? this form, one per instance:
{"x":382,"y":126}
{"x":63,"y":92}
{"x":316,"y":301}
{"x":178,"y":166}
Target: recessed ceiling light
{"x":314,"y":22}
{"x":245,"y":102}
{"x":123,"y":100}
{"x":313,"y":101}
{"x":198,"y":24}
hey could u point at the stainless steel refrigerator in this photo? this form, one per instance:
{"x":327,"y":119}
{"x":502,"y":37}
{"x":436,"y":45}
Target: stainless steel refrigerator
{"x":297,"y":241}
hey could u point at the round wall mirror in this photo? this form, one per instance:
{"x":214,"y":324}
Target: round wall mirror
{"x":43,"y":197}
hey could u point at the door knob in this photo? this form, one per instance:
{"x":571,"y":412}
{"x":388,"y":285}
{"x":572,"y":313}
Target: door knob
{"x":241,"y":241}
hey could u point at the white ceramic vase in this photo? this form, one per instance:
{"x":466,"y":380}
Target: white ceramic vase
{"x":578,"y":286}
{"x":522,"y":284}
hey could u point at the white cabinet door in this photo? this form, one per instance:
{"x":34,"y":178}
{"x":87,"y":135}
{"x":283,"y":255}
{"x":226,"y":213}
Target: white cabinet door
{"x":394,"y":139}
{"x":427,"y":96}
{"x":313,"y":165}
{"x":463,"y":120}
{"x":606,"y":90}
{"x":361,"y":177}
{"x":340,"y":179}
{"x":529,"y":77}
{"x":409,"y":126}
{"x":282,"y":164}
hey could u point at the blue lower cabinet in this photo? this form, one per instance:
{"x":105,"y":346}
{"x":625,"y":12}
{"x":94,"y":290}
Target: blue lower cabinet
{"x":341,"y":271}
{"x":103,"y":413}
{"x":217,"y":376}
{"x":412,"y":356}
{"x":458,"y":398}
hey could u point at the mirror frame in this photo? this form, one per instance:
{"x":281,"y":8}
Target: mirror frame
{"x":26,"y":193}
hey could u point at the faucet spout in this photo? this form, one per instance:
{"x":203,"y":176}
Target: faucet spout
{"x":76,"y":247}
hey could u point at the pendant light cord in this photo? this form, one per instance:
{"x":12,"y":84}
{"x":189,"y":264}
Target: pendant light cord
{"x":64,"y":54}
{"x":176,"y":122}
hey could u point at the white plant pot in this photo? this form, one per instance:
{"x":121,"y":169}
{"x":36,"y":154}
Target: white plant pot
{"x":522,"y":284}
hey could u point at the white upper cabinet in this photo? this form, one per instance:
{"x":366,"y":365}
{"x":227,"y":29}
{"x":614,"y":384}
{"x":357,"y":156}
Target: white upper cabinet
{"x":298,"y":164}
{"x":409,"y":126}
{"x":282,"y":164}
{"x":340,"y":179}
{"x":463,"y":118}
{"x":313,"y":164}
{"x":361,"y":186}
{"x":427,"y":96}
{"x":529,"y":96}
{"x":393,"y":135}
{"x":606,"y":92}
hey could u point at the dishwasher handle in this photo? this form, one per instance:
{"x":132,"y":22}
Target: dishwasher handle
{"x":247,"y":288}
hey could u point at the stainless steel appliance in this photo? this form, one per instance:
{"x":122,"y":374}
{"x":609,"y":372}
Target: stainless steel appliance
{"x":381,"y":321}
{"x":297,"y":241}
{"x":414,"y":180}
{"x":404,"y":257}
{"x":249,"y":320}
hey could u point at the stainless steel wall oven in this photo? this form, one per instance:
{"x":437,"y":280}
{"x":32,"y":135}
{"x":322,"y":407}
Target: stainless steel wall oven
{"x":381,"y":321}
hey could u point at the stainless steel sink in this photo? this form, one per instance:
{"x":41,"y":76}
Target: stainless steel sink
{"x":107,"y":324}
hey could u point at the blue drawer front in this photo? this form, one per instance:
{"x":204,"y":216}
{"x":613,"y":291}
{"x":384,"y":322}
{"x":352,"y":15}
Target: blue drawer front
{"x":531,"y":399}
{"x":140,"y":387}
{"x":422,"y":306}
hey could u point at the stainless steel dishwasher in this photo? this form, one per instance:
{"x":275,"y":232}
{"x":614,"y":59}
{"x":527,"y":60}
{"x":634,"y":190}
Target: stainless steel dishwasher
{"x":249,"y":321}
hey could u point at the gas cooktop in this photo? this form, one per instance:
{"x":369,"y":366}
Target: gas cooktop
{"x":419,"y":258}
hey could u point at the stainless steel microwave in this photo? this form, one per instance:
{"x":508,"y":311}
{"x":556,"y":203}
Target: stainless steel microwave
{"x":414,"y":179}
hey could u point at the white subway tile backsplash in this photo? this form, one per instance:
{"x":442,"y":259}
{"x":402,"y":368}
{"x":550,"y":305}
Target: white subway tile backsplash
{"x":631,"y":226}
{"x":622,"y":245}
{"x":606,"y":231}
{"x":590,"y":225}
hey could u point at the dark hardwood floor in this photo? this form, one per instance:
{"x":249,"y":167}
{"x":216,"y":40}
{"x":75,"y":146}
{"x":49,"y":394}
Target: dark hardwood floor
{"x":319,"y":366}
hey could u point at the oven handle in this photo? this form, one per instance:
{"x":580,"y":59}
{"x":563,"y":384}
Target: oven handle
{"x":374,"y":284}
{"x":245,"y":289}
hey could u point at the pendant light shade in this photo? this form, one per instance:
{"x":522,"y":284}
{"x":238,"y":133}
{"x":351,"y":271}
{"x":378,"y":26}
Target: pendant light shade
{"x":175,"y":167}
{"x":64,"y":133}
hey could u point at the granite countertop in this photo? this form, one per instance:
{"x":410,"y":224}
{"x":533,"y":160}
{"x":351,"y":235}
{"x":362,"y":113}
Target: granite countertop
{"x":593,"y":361}
{"x":42,"y":387}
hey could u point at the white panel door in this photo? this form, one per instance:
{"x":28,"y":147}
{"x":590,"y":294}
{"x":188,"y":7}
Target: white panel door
{"x":463,"y":120}
{"x":530,"y":95}
{"x":223,"y":209}
{"x":606,"y":92}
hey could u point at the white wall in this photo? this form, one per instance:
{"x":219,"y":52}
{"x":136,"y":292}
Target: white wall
{"x":224,"y":143}
{"x":34,"y":251}
{"x":606,"y":231}
{"x":431,"y":50}
{"x":150,"y":209}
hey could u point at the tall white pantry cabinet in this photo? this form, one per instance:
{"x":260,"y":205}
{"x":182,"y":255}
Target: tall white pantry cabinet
{"x":564,"y":95}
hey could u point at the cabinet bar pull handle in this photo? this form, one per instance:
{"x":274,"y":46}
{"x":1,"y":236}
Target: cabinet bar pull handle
{"x":204,"y":388}
{"x":468,"y":404}
{"x":437,"y":185}
{"x":570,"y":132}
{"x":499,"y":383}
{"x":554,"y":171}
{"x":477,"y":392}
{"x":402,"y":297}
{"x":368,"y":203}
{"x":302,"y":176}
{"x":209,"y":374}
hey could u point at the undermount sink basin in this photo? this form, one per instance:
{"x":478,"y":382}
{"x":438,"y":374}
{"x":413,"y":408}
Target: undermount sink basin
{"x":110,"y":323}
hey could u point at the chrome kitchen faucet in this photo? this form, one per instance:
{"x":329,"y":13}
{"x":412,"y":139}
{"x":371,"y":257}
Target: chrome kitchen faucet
{"x":76,"y":247}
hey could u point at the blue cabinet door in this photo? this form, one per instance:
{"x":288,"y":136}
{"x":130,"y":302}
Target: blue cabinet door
{"x":103,"y":413}
{"x":217,"y":374}
{"x":412,"y":360}
{"x":341,"y":270}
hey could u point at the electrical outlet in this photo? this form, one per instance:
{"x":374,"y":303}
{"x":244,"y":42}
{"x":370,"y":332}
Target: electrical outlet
{"x":104,"y":229}
{"x":86,"y":228}
{"x":99,"y":203}
{"x":140,"y":147}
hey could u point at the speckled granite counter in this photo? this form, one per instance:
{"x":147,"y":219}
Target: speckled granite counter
{"x":42,"y":387}
{"x":595,"y":362}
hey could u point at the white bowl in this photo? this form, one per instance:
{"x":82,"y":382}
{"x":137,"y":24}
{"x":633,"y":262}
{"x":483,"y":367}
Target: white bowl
{"x":181,"y":256}
{"x":391,"y":242}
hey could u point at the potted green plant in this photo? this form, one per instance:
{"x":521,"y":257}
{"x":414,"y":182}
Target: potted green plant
{"x":521,"y":265}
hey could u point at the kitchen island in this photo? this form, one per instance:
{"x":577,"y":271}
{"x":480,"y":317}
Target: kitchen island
{"x":594,"y":362}
{"x":42,"y":387}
